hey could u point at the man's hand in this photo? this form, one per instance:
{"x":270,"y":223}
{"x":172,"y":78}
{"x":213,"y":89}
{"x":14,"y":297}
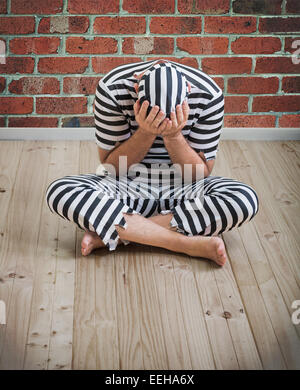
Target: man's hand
{"x":177,"y":122}
{"x":155,"y":123}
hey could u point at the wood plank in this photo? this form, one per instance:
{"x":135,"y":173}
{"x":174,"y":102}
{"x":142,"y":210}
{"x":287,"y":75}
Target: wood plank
{"x":284,"y":271}
{"x":106,"y":325}
{"x":19,"y":252}
{"x":276,"y":211}
{"x":177,"y":348}
{"x":255,"y":305}
{"x":279,"y":312}
{"x":262,"y":329}
{"x":232,"y":310}
{"x":53,"y":285}
{"x":281,"y":268}
{"x":220,"y":339}
{"x":10,"y":153}
{"x":286,"y":183}
{"x":153,"y":343}
{"x":193,"y":313}
{"x":84,"y":332}
{"x":129,"y":323}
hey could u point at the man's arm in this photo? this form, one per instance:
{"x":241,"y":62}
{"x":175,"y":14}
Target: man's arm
{"x":136,"y":147}
{"x":181,"y":153}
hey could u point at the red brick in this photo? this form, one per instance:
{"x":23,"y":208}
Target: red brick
{"x":268,"y":25}
{"x":64,"y":25}
{"x":61,"y":105}
{"x":2,"y":121}
{"x":291,"y":44}
{"x":249,"y":121}
{"x":2,"y":84}
{"x":203,"y":45}
{"x":36,"y":6}
{"x":32,"y":122}
{"x":229,"y":24}
{"x":93,"y":6}
{"x":276,"y":65}
{"x":78,"y":121}
{"x":34,"y":86}
{"x":219,"y":81}
{"x":3,"y":7}
{"x":292,"y":7}
{"x":252,"y":85}
{"x":148,"y":45}
{"x":176,"y":25}
{"x":261,"y":7}
{"x":227,"y":65}
{"x":203,"y":6}
{"x":291,"y":84}
{"x":17,"y":25}
{"x":83,"y":85}
{"x":105,"y":64}
{"x":149,"y":6}
{"x":99,"y":45}
{"x":36,"y":45}
{"x":253,"y":45}
{"x":276,"y":103}
{"x":236,"y":104}
{"x":16,"y":105}
{"x":189,"y":61}
{"x":289,"y":121}
{"x":17,"y":65}
{"x":63,"y":65}
{"x":120,"y":25}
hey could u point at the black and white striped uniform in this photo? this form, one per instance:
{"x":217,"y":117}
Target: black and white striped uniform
{"x":209,"y":206}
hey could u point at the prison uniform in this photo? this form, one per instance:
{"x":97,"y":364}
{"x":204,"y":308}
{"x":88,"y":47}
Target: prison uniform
{"x":209,"y":206}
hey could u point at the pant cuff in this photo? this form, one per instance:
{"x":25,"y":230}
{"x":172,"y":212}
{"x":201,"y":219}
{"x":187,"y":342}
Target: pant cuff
{"x":112,"y":243}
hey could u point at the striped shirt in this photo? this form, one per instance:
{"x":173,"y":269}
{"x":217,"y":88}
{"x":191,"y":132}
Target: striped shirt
{"x":114,"y":114}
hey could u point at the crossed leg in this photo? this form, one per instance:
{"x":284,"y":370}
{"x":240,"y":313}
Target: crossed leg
{"x":156,"y":231}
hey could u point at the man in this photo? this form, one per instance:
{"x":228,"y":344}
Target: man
{"x":156,"y":115}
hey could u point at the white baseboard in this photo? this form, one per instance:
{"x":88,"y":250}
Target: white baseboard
{"x":88,"y":133}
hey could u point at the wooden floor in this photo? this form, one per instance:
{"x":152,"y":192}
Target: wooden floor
{"x":140,"y":307}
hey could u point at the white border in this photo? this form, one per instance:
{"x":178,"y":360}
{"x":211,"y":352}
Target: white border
{"x":88,"y":133}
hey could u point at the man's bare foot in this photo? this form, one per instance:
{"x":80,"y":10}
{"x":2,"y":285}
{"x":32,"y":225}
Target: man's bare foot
{"x":212,"y":248}
{"x":90,"y":242}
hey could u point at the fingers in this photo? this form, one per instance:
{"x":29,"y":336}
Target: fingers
{"x":165,"y":125}
{"x":159,"y":118}
{"x":173,"y":119}
{"x":185,"y":109}
{"x":143,"y":110}
{"x":179,"y":114}
{"x":154,"y":111}
{"x":136,"y":107}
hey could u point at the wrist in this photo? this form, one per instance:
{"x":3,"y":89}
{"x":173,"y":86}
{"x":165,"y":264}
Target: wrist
{"x":172,"y":137}
{"x":146,"y":133}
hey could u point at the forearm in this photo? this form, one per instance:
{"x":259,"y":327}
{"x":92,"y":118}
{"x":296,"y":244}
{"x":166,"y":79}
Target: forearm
{"x":181,"y":153}
{"x":134,"y":148}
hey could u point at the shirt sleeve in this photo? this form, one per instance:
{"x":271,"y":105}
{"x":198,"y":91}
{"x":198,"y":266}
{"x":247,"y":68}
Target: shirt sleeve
{"x":205,"y":133}
{"x":110,"y":122}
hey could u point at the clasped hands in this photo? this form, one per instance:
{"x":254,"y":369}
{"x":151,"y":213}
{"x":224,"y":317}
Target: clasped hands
{"x":156,"y":122}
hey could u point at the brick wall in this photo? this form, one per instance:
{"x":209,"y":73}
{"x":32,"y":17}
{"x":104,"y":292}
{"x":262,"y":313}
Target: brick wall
{"x":56,"y":51}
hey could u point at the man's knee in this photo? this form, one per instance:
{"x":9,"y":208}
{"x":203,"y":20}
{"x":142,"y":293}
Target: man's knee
{"x":54,"y":188}
{"x":248,"y":202}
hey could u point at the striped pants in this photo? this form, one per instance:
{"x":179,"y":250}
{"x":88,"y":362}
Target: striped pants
{"x":96,"y":203}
